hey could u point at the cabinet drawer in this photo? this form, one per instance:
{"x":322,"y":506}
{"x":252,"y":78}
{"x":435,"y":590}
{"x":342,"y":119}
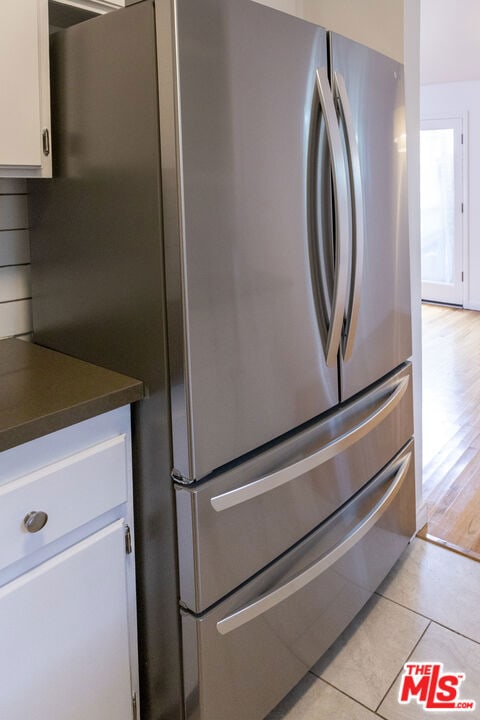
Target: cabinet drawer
{"x":71,"y":492}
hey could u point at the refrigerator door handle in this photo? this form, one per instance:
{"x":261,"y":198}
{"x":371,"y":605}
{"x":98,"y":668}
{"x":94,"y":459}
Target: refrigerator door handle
{"x":358,"y":219}
{"x":341,"y":216}
{"x":327,"y":452}
{"x":270,"y":600}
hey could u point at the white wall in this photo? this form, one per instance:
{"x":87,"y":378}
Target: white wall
{"x":455,"y":100}
{"x":375,"y":23}
{"x":450,"y":51}
{"x":15,"y":295}
{"x":412,"y":101}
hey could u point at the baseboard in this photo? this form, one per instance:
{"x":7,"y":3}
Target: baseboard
{"x":422,"y":516}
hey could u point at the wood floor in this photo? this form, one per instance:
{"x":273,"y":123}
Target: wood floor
{"x":451,"y":427}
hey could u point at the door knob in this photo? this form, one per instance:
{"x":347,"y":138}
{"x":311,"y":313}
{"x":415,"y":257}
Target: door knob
{"x":35,"y":521}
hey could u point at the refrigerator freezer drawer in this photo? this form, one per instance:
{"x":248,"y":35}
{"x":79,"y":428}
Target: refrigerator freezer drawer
{"x":235,"y":524}
{"x":287,"y":616}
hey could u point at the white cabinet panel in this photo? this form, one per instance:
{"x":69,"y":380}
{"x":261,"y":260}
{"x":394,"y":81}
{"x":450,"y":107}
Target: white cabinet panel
{"x":24,"y":81}
{"x":99,"y":6}
{"x":64,"y":653}
{"x":72,"y":492}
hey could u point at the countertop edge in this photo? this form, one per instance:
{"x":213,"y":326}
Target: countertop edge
{"x":29,"y":407}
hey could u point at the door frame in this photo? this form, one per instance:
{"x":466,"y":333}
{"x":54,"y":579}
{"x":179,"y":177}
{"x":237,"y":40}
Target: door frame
{"x":462,"y":116}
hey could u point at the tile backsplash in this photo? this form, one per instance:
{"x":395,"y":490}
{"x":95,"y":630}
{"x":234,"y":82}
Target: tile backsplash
{"x":15,"y":288}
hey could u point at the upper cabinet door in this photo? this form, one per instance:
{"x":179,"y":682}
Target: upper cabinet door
{"x":372,"y":106}
{"x":24,"y":81}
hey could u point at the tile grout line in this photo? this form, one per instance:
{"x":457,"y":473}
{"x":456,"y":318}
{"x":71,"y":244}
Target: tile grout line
{"x":375,"y":711}
{"x":401,"y":669}
{"x":12,"y":300}
{"x":405,"y":607}
{"x":342,"y":692}
{"x":19,"y":264}
{"x":431,"y":620}
{"x":455,"y":632}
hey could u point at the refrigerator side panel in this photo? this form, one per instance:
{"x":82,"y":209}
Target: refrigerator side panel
{"x":98,"y":286}
{"x":245,"y":348}
{"x":375,"y":89}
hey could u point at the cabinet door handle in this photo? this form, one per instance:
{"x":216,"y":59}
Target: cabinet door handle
{"x":46,"y":142}
{"x":35,"y":521}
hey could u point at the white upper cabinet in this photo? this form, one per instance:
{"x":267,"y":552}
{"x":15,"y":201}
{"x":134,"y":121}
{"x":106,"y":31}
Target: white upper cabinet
{"x":24,"y":81}
{"x":98,"y":6}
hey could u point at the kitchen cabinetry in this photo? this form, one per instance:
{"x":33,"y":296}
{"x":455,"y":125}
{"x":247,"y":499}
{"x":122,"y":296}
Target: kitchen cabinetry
{"x":98,"y":6}
{"x":24,"y":78}
{"x":67,"y":588}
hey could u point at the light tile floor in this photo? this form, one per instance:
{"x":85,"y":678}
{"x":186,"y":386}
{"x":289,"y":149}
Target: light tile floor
{"x":426,"y":610}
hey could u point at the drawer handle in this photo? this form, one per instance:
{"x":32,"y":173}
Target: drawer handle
{"x":231,"y":498}
{"x":35,"y":521}
{"x":270,"y":600}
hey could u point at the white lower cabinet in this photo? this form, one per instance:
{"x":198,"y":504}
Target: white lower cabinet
{"x":64,"y":653}
{"x":68,"y":641}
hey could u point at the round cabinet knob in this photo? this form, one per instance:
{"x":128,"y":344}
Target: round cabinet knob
{"x":35,"y":521}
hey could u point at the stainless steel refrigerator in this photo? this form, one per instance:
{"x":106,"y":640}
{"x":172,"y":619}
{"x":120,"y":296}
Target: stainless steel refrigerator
{"x":228,"y":223}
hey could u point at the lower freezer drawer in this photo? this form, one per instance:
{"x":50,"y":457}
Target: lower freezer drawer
{"x":246,"y":653}
{"x":233,"y":525}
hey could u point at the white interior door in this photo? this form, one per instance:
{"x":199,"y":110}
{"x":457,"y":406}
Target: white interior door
{"x":441,"y":198}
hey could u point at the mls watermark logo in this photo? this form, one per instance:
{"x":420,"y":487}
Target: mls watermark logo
{"x":430,"y":686}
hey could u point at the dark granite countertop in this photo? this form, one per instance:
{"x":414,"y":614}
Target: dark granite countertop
{"x":42,"y":391}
